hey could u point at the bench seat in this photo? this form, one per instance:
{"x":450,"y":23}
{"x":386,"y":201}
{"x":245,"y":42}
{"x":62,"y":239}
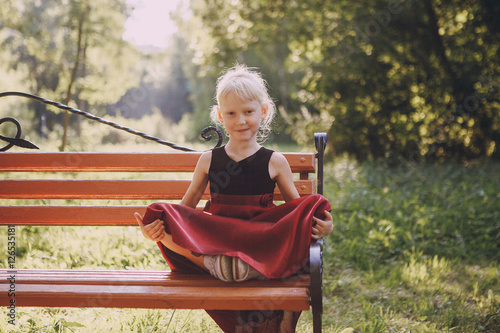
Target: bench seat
{"x":133,"y":289}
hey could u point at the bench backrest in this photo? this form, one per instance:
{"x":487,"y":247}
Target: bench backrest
{"x":21,"y":179}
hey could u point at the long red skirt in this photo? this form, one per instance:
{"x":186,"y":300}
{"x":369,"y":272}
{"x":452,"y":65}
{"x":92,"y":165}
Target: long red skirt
{"x":272,"y":239}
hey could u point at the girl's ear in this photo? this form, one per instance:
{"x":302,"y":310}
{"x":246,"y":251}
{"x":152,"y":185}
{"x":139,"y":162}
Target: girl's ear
{"x":265,"y":107}
{"x":219,"y":114}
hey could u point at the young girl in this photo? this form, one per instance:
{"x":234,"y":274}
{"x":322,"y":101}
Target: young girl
{"x":241,"y":235}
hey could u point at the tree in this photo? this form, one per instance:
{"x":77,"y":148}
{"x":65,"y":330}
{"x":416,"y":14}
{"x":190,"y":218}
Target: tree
{"x":73,"y":53}
{"x":387,"y":78}
{"x":80,"y":11}
{"x":173,"y":97}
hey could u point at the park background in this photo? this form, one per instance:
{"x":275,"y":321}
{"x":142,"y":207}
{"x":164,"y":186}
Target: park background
{"x":408,"y":92}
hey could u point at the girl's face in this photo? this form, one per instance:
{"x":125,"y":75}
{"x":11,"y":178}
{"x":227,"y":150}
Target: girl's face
{"x":241,"y":118}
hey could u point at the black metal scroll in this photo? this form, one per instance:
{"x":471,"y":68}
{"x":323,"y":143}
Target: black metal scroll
{"x":26,"y":144}
{"x":15,"y":141}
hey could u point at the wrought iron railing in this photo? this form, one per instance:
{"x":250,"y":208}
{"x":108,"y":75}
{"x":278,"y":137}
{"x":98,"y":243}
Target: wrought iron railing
{"x":18,"y":141}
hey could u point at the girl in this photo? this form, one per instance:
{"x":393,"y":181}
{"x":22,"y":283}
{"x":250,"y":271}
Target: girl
{"x":241,"y":235}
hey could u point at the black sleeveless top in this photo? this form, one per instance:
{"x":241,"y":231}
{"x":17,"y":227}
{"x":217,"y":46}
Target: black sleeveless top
{"x":249,"y":176}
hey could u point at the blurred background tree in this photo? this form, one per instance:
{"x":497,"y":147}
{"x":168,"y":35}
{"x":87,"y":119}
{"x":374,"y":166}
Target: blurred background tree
{"x":387,"y":79}
{"x":71,"y":52}
{"x":399,"y":80}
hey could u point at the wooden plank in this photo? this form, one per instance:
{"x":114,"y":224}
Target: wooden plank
{"x":301,"y":162}
{"x":136,"y":277}
{"x":158,"y":297}
{"x":94,"y":189}
{"x":70,"y":215}
{"x":105,"y":162}
{"x":110,"y":189}
{"x":136,"y":290}
{"x":123,"y":162}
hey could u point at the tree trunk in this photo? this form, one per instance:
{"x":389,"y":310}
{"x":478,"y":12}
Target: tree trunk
{"x":73,"y":76}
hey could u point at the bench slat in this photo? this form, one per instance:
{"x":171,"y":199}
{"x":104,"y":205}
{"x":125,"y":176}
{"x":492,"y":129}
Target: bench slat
{"x":135,"y":277}
{"x":214,"y":298}
{"x":94,"y":189}
{"x":132,"y":292}
{"x":70,"y":215}
{"x":111,"y":189}
{"x":123,"y":162}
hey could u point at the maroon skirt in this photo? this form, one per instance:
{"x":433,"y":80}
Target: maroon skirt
{"x":272,"y":239}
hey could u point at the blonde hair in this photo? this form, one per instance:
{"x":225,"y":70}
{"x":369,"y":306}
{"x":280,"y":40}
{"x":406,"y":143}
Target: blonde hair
{"x":248,"y":85}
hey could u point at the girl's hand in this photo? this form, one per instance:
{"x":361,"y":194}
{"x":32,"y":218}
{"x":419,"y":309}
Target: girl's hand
{"x":154,"y":231}
{"x":322,"y":227}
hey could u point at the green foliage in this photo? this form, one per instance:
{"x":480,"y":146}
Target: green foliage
{"x":42,"y":37}
{"x":71,"y":52}
{"x":449,"y":211}
{"x":387,"y":79}
{"x":394,"y":80}
{"x":414,"y":248}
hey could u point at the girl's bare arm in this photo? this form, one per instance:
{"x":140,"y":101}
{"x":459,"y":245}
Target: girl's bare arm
{"x":155,"y":231}
{"x":199,"y":182}
{"x":279,"y":170}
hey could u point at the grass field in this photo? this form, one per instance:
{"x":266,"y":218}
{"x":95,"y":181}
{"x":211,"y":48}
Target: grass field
{"x":415,"y":249}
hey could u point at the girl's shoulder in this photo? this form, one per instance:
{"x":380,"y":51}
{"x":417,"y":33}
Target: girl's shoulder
{"x":278,"y":157}
{"x":206,"y":154}
{"x":204,"y":162}
{"x":278,"y":164}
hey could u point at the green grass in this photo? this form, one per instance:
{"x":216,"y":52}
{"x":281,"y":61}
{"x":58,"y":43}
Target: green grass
{"x":110,"y":320}
{"x":415,"y":249}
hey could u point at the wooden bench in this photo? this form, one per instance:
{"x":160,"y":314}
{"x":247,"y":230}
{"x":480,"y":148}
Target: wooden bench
{"x":134,"y":288}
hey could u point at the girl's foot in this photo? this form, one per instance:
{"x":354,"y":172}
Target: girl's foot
{"x":243,"y":271}
{"x":219,"y":266}
{"x":230,"y":269}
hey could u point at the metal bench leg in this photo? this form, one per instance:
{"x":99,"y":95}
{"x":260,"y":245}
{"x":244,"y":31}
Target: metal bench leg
{"x":316,"y":250}
{"x":315,"y":257}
